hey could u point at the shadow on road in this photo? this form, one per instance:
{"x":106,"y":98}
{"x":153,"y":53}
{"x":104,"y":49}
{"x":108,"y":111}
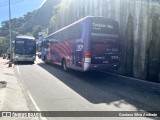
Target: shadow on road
{"x":98,"y":87}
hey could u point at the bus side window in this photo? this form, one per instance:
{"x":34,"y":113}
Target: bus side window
{"x":65,"y":34}
{"x":76,"y":31}
{"x":79,"y":30}
{"x":54,"y":37}
{"x":57,"y":36}
{"x":42,"y":44}
{"x":72,"y":32}
{"x":45,"y":44}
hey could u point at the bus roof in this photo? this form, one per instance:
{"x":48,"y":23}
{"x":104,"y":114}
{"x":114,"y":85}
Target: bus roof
{"x":25,"y":37}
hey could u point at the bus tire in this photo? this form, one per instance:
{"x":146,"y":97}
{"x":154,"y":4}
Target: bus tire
{"x":45,"y":59}
{"x":64,"y":66}
{"x":15,"y":62}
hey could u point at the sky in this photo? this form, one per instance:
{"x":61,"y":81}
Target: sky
{"x":18,"y":8}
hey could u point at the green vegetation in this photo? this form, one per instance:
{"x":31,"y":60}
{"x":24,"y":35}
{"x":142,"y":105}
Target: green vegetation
{"x":16,"y":23}
{"x":30,"y":24}
{"x":4,"y":45}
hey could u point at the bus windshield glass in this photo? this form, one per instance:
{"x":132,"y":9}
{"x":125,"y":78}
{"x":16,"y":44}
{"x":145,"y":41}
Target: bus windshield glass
{"x":20,"y":47}
{"x":25,"y":47}
{"x":30,"y":47}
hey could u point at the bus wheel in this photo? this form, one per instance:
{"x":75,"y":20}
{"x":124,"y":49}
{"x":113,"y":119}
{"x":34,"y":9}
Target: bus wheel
{"x":45,"y":59}
{"x":15,"y":62}
{"x":64,"y":65}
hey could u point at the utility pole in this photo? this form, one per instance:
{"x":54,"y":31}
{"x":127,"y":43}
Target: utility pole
{"x":10,"y":36}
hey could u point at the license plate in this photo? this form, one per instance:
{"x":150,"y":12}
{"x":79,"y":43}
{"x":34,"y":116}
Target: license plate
{"x":105,"y":61}
{"x":114,"y":57}
{"x":22,"y":57}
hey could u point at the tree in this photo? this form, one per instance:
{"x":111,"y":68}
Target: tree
{"x":4,"y":44}
{"x":36,"y":30}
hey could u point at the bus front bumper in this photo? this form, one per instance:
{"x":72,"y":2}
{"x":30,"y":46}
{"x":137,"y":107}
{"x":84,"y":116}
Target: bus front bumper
{"x":25,"y":58}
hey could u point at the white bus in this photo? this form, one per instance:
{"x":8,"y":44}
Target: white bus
{"x":24,"y":49}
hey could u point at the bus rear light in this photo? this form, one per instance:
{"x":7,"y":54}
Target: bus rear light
{"x":88,"y":56}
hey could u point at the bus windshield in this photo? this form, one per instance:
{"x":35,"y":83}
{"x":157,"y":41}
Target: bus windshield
{"x":30,"y":47}
{"x":20,"y":47}
{"x":25,"y":47}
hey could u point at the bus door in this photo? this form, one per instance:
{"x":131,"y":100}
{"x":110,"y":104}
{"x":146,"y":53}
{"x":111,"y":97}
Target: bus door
{"x":78,"y":54}
{"x":44,"y":50}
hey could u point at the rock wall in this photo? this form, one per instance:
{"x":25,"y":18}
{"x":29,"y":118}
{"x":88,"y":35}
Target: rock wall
{"x":139,"y":22}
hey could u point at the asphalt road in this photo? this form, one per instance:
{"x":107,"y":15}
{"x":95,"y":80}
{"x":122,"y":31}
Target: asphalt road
{"x":52,"y":89}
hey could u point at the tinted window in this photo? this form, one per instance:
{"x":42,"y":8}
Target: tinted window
{"x":19,"y":47}
{"x":30,"y":47}
{"x":25,"y":47}
{"x":57,"y":36}
{"x":76,"y":31}
{"x":66,"y":34}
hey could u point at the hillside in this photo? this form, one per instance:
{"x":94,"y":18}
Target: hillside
{"x":42,"y":16}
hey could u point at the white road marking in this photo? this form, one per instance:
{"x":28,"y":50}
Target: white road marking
{"x":18,"y":70}
{"x":36,"y":106}
{"x":19,"y":73}
{"x":34,"y":103}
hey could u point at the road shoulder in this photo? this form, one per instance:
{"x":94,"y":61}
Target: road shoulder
{"x":12,"y":97}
